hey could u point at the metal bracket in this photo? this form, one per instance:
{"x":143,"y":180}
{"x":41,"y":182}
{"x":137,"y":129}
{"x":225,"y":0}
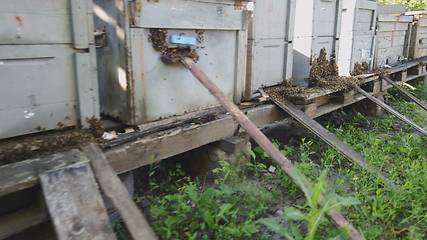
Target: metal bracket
{"x":100,"y":37}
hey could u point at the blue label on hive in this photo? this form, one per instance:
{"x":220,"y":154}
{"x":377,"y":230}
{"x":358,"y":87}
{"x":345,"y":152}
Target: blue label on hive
{"x":180,"y":39}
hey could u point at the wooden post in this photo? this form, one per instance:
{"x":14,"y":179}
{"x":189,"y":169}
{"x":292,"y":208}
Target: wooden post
{"x":114,"y":189}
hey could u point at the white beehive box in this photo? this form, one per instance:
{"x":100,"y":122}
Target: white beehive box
{"x":270,"y":47}
{"x":357,"y":40}
{"x":137,"y":87}
{"x":47,"y":66}
{"x":391,"y":33}
{"x":418,"y":35}
{"x":317,"y":26}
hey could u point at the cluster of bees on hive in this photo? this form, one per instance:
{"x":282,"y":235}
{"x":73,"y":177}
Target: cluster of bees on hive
{"x":38,"y":145}
{"x":157,"y":38}
{"x":323,"y":74}
{"x":360,"y":68}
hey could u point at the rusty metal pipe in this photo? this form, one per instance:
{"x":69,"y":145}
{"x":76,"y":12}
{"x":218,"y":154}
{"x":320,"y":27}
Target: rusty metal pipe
{"x":336,"y":217}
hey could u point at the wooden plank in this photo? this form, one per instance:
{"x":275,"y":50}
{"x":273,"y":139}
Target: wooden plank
{"x":85,"y":91}
{"x":373,"y":87}
{"x":389,"y":18}
{"x":392,"y":9}
{"x":335,"y":106}
{"x":80,"y":25}
{"x":180,"y":118}
{"x":392,"y":111}
{"x":114,"y":189}
{"x":22,"y":175}
{"x":158,"y":146}
{"x":75,"y":204}
{"x":242,"y":38}
{"x":206,"y":15}
{"x":22,"y":219}
{"x":322,"y":100}
{"x":309,"y":109}
{"x":343,"y":97}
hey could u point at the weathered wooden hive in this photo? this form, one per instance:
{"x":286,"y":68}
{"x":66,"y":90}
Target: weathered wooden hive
{"x":318,"y":26}
{"x":418,"y":35}
{"x":270,"y":44}
{"x":358,"y":28}
{"x":137,"y":87}
{"x":47,"y":66}
{"x":392,"y":25}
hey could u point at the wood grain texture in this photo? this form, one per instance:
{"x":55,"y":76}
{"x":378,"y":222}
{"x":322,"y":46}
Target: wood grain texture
{"x":75,"y":204}
{"x":114,"y":189}
{"x":161,"y":145}
{"x":25,"y":174}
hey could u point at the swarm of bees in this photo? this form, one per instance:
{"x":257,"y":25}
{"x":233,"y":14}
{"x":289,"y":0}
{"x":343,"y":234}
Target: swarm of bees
{"x":360,"y":68}
{"x":200,"y":37}
{"x":176,"y":54}
{"x":324,"y":73}
{"x":337,"y":83}
{"x":157,"y":38}
{"x":39,"y":145}
{"x":321,"y":67}
{"x":283,"y":92}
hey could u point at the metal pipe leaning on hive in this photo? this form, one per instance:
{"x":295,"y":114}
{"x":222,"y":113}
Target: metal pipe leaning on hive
{"x":336,"y":218}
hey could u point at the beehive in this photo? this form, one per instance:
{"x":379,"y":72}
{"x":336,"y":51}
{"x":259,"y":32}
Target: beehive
{"x":418,"y":35}
{"x":358,"y":31}
{"x":47,"y":66}
{"x":137,"y":87}
{"x":317,"y":26}
{"x":270,"y":44}
{"x":391,"y":33}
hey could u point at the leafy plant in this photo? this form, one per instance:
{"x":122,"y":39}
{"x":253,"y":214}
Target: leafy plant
{"x":226,"y":211}
{"x":412,"y":5}
{"x":316,"y":214}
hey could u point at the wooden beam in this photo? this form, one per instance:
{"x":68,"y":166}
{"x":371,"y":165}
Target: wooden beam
{"x":75,"y":204}
{"x":158,"y":146}
{"x":25,"y":174}
{"x":114,"y":189}
{"x":22,"y":219}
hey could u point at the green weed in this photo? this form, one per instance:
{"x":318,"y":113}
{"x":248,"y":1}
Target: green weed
{"x":224,"y":211}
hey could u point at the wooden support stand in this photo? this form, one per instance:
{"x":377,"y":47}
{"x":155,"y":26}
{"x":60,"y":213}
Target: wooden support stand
{"x":75,"y":204}
{"x":343,"y":97}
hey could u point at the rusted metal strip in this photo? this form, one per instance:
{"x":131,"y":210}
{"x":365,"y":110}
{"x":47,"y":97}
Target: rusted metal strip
{"x":406,"y":93}
{"x":330,"y":139}
{"x":392,"y":111}
{"x":264,"y":142}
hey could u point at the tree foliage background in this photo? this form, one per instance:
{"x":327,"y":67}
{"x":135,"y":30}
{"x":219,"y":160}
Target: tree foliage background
{"x":412,"y":5}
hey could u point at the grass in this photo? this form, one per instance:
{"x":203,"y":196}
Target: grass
{"x":242,"y":202}
{"x":396,"y":150}
{"x":225,"y":210}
